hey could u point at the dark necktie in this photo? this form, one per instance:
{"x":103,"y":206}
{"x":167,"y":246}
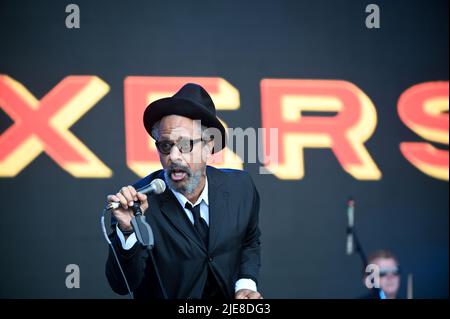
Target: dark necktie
{"x":199,"y":223}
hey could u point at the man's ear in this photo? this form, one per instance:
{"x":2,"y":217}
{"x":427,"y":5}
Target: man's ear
{"x":208,"y":151}
{"x":210,"y":147}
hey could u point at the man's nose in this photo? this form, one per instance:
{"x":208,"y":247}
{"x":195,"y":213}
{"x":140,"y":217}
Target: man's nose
{"x":175,"y":154}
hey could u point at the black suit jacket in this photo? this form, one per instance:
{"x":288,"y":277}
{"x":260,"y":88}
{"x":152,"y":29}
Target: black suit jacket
{"x":179,"y":261}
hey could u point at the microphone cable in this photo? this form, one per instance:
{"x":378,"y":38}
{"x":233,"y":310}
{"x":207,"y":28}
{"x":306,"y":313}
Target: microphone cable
{"x":149,"y":249}
{"x":102,"y":223}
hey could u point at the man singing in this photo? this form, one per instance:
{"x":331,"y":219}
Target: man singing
{"x":205,"y":223}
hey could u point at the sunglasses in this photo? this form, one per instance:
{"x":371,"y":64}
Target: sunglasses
{"x":393,"y":271}
{"x":184,"y":145}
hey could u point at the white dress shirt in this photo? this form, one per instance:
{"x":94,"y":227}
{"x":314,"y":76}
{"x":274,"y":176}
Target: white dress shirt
{"x":243,"y":283}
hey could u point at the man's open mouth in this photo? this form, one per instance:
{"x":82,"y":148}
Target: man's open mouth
{"x":178,"y":174}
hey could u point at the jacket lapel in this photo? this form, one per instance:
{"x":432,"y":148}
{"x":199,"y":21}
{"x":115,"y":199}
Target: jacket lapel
{"x":218,"y":206}
{"x":175,"y":214}
{"x":218,"y":210}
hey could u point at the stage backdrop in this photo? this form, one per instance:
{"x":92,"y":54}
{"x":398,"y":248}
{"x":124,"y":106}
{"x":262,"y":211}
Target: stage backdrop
{"x":360,"y":100}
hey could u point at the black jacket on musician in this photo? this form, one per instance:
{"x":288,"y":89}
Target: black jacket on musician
{"x":181,"y":261}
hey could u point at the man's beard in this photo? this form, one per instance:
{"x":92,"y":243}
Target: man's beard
{"x":189,"y":184}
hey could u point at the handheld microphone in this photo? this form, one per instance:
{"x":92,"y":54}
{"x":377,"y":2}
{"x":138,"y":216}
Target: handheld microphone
{"x":350,"y":221}
{"x":157,"y":186}
{"x":142,"y":229}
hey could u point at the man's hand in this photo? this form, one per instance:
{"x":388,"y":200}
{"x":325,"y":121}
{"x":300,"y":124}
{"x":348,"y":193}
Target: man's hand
{"x":124,"y":213}
{"x":247,"y":294}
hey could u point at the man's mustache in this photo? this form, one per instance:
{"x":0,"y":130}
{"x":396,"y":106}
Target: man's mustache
{"x":178,"y":168}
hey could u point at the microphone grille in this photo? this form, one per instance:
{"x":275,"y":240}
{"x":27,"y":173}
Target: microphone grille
{"x":159,"y":185}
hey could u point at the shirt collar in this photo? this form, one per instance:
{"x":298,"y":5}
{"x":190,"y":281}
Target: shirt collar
{"x":203,"y":196}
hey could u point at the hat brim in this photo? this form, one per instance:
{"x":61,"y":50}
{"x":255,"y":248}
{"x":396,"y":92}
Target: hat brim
{"x":183,"y":107}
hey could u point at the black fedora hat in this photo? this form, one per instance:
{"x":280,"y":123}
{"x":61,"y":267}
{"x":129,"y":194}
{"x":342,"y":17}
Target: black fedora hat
{"x":190,"y":101}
